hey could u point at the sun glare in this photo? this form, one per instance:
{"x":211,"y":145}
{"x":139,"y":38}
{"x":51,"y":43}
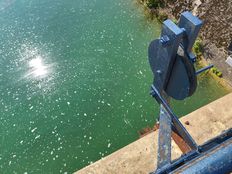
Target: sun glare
{"x":38,"y":68}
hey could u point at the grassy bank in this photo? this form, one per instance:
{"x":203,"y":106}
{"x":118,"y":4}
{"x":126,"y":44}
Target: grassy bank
{"x":220,"y":80}
{"x":198,"y":50}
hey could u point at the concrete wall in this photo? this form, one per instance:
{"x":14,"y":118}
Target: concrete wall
{"x":140,"y":156}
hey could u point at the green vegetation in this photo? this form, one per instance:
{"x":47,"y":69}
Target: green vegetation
{"x":198,"y":48}
{"x":154,"y":4}
{"x":198,"y":51}
{"x":217,"y":72}
{"x":155,"y":11}
{"x":162,"y":16}
{"x":175,"y":21}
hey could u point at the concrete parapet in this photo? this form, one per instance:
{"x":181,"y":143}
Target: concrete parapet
{"x":139,"y":157}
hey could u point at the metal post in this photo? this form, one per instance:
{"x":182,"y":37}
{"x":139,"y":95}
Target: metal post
{"x":164,"y":141}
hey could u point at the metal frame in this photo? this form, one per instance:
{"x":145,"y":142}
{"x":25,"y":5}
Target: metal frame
{"x":196,"y":159}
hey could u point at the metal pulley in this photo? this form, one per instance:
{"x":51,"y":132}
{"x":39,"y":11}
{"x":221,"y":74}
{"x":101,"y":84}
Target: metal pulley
{"x":171,"y":58}
{"x":181,"y":81}
{"x":172,"y":64}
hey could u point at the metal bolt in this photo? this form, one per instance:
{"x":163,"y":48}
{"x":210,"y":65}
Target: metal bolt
{"x":159,"y":72}
{"x":164,"y":40}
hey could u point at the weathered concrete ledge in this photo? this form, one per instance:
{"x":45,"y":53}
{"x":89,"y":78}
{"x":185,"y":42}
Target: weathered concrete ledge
{"x":140,"y":156}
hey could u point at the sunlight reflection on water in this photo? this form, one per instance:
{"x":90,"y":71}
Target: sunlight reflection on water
{"x":37,"y":62}
{"x":37,"y":66}
{"x":38,"y":69}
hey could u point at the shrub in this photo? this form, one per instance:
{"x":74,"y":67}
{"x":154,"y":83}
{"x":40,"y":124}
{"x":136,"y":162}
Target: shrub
{"x":217,"y":72}
{"x":197,"y":47}
{"x":154,"y":4}
{"x":214,"y":70}
{"x":162,"y":16}
{"x":175,"y":21}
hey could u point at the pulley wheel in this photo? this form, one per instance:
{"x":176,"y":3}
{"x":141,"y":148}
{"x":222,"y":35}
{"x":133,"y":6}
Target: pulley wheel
{"x":180,"y":79}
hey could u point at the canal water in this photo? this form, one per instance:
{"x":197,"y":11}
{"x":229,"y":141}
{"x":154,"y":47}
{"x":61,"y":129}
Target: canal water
{"x":74,"y":82}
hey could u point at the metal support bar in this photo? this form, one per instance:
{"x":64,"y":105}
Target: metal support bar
{"x":164,"y":141}
{"x":179,"y":127}
{"x":204,"y":69}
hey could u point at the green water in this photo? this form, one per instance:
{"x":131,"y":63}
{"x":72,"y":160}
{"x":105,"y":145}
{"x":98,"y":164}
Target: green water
{"x":75,"y":82}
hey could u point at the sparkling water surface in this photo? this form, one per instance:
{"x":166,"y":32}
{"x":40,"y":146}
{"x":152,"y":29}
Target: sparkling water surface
{"x":75,"y":82}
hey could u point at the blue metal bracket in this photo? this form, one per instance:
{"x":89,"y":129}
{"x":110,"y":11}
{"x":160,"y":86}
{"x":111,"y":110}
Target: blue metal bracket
{"x":171,"y":58}
{"x":191,"y":26}
{"x":165,"y":50}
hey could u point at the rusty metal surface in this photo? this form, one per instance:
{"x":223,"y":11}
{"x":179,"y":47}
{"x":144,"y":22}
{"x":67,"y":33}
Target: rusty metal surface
{"x":184,"y":147}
